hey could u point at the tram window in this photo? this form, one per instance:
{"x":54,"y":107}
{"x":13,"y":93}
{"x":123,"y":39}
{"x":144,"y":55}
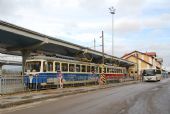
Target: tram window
{"x":88,"y":68}
{"x":118,"y":70}
{"x":83,"y":68}
{"x":107,"y":69}
{"x":77,"y":68}
{"x":71,"y":68}
{"x":123,"y":71}
{"x":50,"y":66}
{"x":44,"y":67}
{"x":100,"y":70}
{"x":65,"y":67}
{"x":110,"y":70}
{"x":97,"y":69}
{"x":33,"y":66}
{"x":57,"y":66}
{"x":113,"y":70}
{"x":92,"y":68}
{"x":104,"y":70}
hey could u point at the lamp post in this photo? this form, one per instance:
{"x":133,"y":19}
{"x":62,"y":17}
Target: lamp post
{"x":112,"y":11}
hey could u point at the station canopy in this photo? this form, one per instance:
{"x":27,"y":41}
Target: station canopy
{"x":15,"y":40}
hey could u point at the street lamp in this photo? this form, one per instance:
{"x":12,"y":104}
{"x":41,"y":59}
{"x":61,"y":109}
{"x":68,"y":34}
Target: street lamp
{"x":112,"y":11}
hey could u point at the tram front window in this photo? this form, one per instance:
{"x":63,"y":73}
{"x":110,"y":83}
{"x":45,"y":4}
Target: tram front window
{"x":33,"y":66}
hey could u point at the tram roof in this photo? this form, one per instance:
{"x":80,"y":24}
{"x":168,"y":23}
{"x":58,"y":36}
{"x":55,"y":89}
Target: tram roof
{"x":14,"y":39}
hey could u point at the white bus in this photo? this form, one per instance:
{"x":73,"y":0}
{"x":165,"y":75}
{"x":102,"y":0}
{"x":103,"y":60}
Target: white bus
{"x":151,"y":75}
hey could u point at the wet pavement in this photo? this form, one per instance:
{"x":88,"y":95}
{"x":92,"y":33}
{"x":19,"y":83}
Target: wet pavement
{"x":35,"y":96}
{"x":140,"y":98}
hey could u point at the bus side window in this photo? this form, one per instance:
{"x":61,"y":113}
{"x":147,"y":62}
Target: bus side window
{"x":57,"y":66}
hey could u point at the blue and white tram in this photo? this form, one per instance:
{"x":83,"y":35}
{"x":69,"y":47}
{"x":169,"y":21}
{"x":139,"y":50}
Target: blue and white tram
{"x":42,"y":70}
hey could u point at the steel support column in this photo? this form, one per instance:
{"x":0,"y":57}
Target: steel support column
{"x":1,"y":69}
{"x":25,"y":55}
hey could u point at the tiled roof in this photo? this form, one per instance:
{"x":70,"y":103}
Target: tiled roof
{"x":151,"y":54}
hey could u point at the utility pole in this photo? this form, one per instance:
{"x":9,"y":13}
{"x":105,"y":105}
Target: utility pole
{"x":103,"y":46}
{"x":102,"y":75}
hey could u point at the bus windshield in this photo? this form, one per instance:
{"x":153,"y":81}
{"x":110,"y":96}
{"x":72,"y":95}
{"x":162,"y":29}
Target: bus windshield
{"x":149,"y":72}
{"x":33,"y":66}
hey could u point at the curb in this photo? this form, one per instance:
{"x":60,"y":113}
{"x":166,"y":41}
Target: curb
{"x":26,"y":101}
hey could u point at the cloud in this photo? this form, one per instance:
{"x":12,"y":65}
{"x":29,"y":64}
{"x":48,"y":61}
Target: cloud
{"x":127,"y":25}
{"x":130,"y":8}
{"x":157,"y":22}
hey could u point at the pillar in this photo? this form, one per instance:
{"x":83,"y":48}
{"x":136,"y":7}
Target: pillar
{"x":1,"y":69}
{"x":25,"y":55}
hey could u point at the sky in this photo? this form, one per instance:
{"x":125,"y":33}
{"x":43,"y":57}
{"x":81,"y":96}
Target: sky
{"x":141,"y":25}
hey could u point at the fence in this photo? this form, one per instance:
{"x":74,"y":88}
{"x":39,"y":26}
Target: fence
{"x":11,"y":84}
{"x":14,"y":83}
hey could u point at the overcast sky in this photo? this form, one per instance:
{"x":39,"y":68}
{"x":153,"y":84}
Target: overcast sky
{"x":141,"y":25}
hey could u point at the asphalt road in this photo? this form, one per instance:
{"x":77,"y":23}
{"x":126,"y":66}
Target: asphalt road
{"x":141,"y":98}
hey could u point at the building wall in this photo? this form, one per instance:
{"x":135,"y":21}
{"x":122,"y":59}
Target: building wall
{"x":141,"y":64}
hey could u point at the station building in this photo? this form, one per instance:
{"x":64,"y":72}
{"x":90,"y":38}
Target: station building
{"x":147,"y":60}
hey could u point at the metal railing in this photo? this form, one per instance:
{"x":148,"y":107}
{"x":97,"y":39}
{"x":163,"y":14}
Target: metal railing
{"x":11,"y":84}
